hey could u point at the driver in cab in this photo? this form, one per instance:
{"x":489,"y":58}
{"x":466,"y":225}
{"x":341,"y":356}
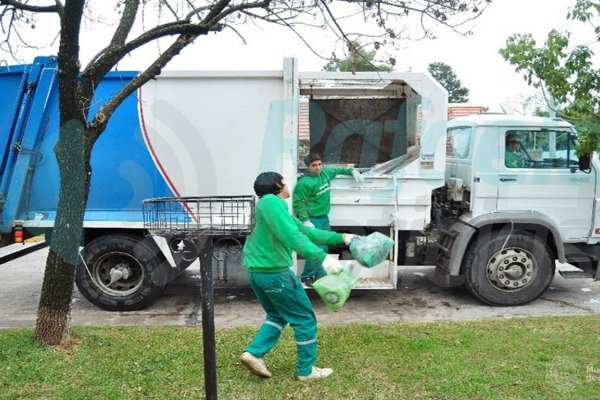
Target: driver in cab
{"x":513,"y":157}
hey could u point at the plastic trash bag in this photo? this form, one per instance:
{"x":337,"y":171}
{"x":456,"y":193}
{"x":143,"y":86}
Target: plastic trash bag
{"x":334,"y":289}
{"x":371,"y":250}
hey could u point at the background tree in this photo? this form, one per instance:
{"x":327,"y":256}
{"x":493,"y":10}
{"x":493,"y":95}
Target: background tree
{"x":444,"y":74}
{"x":566,"y":74}
{"x":174,"y":24}
{"x":357,"y":59}
{"x":525,"y":104}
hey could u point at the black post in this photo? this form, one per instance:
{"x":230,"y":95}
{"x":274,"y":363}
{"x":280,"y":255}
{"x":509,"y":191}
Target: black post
{"x":208,"y":319}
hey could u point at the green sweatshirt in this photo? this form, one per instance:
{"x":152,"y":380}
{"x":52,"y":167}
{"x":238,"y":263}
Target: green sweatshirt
{"x":513,"y":159}
{"x":312,"y":194}
{"x":277,"y":233}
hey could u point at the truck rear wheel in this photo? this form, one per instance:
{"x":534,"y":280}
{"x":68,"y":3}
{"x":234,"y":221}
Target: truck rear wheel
{"x":509,"y":269}
{"x":121,"y":273}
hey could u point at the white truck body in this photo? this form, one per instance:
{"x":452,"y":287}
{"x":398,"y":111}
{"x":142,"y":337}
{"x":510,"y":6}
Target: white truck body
{"x":245,"y":123}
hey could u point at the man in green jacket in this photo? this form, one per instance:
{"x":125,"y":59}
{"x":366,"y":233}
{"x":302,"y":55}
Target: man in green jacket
{"x":513,"y":157}
{"x":268,"y":258}
{"x":312,"y":203}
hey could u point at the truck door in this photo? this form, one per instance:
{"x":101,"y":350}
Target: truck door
{"x":539,"y":173}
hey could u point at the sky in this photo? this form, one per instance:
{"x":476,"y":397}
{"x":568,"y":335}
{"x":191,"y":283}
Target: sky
{"x":475,"y":59}
{"x":491,"y":81}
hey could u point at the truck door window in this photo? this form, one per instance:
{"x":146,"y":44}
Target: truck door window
{"x":540,"y":149}
{"x":457,"y":142}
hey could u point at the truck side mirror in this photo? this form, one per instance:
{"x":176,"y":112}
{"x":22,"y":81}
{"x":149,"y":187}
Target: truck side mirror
{"x":585,"y":163}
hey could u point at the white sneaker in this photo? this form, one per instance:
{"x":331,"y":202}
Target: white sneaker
{"x":316,"y":374}
{"x":255,"y":365}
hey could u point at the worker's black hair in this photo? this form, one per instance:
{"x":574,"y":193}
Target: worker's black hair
{"x":268,"y":183}
{"x":312,"y":157}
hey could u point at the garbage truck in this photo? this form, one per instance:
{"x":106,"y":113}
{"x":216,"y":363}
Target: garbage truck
{"x":179,"y":157}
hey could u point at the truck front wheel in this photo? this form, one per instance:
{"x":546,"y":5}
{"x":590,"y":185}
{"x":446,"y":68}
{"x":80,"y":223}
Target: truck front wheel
{"x":509,"y":269}
{"x":121,"y":273}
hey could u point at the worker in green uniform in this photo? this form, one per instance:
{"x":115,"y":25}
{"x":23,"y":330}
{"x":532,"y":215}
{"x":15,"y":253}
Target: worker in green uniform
{"x":312,"y":203}
{"x":513,"y":157}
{"x":267,"y":258}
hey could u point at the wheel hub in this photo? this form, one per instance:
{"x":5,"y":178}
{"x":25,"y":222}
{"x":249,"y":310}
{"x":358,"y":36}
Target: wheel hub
{"x":121,"y":271}
{"x":511,"y":269}
{"x":118,"y":274}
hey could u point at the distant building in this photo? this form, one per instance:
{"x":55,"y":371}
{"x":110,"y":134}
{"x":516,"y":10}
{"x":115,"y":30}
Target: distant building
{"x":456,"y":110}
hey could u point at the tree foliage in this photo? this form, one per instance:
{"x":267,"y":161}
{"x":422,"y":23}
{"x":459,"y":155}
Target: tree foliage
{"x":446,"y":76}
{"x":175,"y":25}
{"x":566,"y":74}
{"x":525,"y":104}
{"x":357,"y":59}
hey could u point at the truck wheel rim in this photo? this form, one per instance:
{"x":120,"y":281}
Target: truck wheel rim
{"x":101,"y":273}
{"x":511,"y":269}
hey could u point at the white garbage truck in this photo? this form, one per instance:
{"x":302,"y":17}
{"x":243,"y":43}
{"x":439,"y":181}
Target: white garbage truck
{"x":185,"y":149}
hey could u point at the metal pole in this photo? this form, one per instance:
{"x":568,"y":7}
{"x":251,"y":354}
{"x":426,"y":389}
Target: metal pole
{"x":208,"y":319}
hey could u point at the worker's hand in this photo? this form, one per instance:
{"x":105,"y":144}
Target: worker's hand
{"x":332,"y":265}
{"x":308,"y":223}
{"x":357,"y":176}
{"x":348,"y":238}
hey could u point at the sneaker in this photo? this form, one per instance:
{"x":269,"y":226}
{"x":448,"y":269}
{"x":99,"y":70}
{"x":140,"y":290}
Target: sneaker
{"x":255,"y":365}
{"x":316,"y":374}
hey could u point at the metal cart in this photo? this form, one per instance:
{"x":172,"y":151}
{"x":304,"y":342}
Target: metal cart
{"x":190,"y":225}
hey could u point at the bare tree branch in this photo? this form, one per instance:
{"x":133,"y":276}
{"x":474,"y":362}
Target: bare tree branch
{"x":101,"y":119}
{"x":126,"y":23}
{"x":26,"y":7}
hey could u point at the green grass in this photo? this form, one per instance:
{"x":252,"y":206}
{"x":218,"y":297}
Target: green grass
{"x":523,"y":358}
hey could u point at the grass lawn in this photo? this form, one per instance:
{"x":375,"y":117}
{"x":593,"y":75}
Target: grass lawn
{"x":521,"y":358}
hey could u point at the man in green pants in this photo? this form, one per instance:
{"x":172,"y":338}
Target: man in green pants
{"x":312,"y":203}
{"x":268,"y":257}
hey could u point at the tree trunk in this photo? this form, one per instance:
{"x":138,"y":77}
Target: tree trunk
{"x":52,"y":325}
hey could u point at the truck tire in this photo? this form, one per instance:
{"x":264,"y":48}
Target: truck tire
{"x":509,"y":269}
{"x":121,"y":273}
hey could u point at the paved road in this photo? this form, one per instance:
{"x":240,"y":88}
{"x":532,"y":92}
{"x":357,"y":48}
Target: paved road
{"x":415,"y":300}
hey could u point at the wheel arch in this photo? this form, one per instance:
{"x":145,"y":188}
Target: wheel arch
{"x":469,"y":231}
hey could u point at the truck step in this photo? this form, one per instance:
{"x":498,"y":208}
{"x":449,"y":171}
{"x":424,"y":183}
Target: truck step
{"x":580,"y":258}
{"x":575,"y":274}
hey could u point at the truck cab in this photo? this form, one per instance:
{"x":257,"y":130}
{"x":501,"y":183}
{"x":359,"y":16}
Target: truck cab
{"x":515,"y":201}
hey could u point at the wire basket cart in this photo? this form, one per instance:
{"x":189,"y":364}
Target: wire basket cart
{"x":189,"y":225}
{"x":193,"y":216}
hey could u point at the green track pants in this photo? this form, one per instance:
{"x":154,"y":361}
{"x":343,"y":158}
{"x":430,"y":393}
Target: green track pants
{"x":284,"y":300}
